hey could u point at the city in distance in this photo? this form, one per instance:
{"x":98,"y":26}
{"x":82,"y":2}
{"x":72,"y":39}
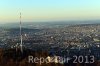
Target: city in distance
{"x":68,"y":43}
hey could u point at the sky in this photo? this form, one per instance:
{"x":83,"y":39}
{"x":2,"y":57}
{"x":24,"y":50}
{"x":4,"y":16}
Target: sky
{"x":48,"y":10}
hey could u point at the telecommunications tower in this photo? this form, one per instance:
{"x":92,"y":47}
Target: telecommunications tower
{"x":21,"y":39}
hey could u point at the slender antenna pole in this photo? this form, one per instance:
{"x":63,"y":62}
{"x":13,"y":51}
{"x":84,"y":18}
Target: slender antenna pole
{"x":21,"y":41}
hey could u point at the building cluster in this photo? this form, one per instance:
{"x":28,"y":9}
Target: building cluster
{"x":62,"y":41}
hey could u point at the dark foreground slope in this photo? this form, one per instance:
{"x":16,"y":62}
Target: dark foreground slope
{"x":10,"y":57}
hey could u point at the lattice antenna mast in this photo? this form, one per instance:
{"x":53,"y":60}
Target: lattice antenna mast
{"x":21,"y":39}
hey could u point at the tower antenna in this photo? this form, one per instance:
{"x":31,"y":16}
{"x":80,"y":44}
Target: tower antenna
{"x":21,"y":39}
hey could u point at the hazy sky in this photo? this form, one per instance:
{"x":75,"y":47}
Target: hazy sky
{"x":45,"y":10}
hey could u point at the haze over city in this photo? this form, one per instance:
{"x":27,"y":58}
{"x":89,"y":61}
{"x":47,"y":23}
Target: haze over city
{"x":48,"y":10}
